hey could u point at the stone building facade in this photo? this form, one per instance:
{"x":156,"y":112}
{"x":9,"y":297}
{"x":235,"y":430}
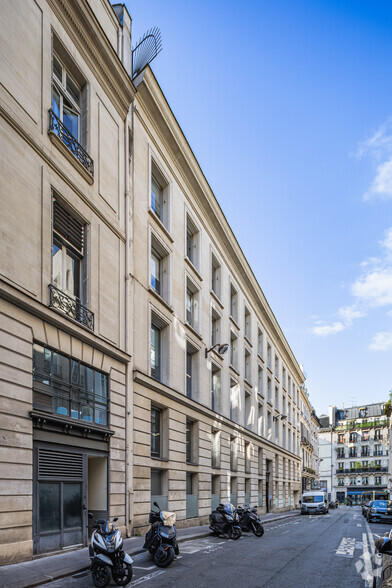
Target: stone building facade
{"x":140,"y":359}
{"x":65,"y":362}
{"x":354,"y":452}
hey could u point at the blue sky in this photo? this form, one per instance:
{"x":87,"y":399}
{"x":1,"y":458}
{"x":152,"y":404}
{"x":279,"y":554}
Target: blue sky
{"x":287,"y":106}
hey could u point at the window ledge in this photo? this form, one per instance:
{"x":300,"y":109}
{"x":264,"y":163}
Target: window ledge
{"x":247,"y":383}
{"x":232,"y":319}
{"x":71,"y":157}
{"x":260,"y":357}
{"x":277,"y":378}
{"x":160,"y":224}
{"x":164,"y":459}
{"x":193,"y":330}
{"x":159,"y":297}
{"x":194,"y":268}
{"x":269,"y":369}
{"x":217,"y":299}
{"x":248,"y":340}
{"x":233,"y":369}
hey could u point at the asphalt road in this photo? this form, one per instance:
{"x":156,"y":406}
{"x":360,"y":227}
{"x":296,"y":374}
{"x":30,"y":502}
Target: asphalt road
{"x":324,"y":551}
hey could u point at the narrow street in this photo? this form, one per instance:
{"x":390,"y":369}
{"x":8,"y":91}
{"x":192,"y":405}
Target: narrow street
{"x":324,"y":551}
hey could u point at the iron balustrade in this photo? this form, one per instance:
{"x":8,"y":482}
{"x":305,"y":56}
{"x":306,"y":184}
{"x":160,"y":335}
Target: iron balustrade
{"x":363,"y":470}
{"x":71,"y":307}
{"x":59,"y":129}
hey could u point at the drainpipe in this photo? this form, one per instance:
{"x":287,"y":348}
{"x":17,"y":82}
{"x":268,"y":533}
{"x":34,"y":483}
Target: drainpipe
{"x":128,"y":375}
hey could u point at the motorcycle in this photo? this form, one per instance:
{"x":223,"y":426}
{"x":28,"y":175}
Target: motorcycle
{"x":250,"y":520}
{"x":107,"y":555}
{"x":161,"y":539}
{"x":224,"y":520}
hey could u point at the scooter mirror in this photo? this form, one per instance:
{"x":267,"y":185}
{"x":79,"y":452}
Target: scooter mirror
{"x":90,"y":515}
{"x":156,"y":504}
{"x":115,"y":519}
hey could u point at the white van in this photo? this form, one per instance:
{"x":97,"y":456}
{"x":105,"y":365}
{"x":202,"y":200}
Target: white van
{"x":314,"y":502}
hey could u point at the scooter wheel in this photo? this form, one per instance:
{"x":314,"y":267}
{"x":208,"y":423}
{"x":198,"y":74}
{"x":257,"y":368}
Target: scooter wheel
{"x":257,"y":529}
{"x":163,"y":557}
{"x":234,"y":534}
{"x":100,"y":575}
{"x":122,"y":576}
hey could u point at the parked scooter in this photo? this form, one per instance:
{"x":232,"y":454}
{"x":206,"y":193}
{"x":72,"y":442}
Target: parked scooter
{"x":250,"y":520}
{"x":107,"y":555}
{"x":224,"y":520}
{"x":161,"y":539}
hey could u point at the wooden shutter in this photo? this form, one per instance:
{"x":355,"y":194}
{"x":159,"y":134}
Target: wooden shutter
{"x":68,"y":226}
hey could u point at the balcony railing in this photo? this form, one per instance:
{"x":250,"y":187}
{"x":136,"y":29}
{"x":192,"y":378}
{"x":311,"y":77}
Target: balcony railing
{"x":57,"y":127}
{"x":370,"y":469}
{"x":363,"y":425}
{"x":71,"y":307}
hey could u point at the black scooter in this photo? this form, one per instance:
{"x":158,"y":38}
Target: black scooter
{"x":224,"y":520}
{"x":161,"y":539}
{"x":250,"y":520}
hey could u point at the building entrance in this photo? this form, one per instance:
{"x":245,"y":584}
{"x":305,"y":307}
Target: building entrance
{"x":61,"y":500}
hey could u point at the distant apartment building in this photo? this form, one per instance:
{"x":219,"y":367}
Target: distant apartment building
{"x":140,"y":358}
{"x":309,"y":444}
{"x":354,"y":452}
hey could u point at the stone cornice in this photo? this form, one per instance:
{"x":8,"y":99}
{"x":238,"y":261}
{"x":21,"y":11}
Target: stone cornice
{"x":148,"y":382}
{"x":83,"y":28}
{"x":157,"y":115}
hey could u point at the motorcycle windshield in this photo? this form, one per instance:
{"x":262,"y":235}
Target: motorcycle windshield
{"x":167,"y":531}
{"x":229,"y":509}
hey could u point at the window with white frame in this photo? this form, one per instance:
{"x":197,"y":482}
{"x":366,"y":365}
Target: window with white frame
{"x":159,"y":268}
{"x":233,"y":303}
{"x":159,"y":343}
{"x":192,"y":242}
{"x":215,"y":388}
{"x":260,"y":342}
{"x":191,"y":370}
{"x":277,"y":375}
{"x":269,"y":356}
{"x":248,"y":410}
{"x":247,"y":324}
{"x":233,"y":350}
{"x":260,"y":380}
{"x":67,"y":87}
{"x":159,"y":194}
{"x":234,"y":399}
{"x":269,"y":390}
{"x":215,"y":327}
{"x":215,"y":276}
{"x":68,"y":252}
{"x":192,"y":304}
{"x":260,"y":419}
{"x":248,"y":365}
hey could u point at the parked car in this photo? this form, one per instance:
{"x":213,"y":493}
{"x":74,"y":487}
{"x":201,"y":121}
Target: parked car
{"x":365,"y":507}
{"x":379,"y":510}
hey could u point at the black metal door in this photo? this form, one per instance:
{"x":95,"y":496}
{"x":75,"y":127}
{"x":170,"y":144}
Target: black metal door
{"x":60,"y":499}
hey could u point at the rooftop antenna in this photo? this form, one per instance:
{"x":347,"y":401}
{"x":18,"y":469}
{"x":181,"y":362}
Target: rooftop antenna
{"x":146,"y":50}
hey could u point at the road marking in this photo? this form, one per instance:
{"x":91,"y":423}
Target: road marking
{"x":143,"y":568}
{"x":346,"y":547}
{"x":146,"y":578}
{"x":359,"y":524}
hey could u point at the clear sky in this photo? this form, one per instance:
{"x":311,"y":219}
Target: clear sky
{"x":287,"y":105}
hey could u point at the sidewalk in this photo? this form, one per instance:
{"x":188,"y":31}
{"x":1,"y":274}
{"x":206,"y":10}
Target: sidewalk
{"x":52,"y":567}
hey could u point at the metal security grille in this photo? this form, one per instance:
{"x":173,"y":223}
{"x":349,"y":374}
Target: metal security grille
{"x":59,"y":465}
{"x":67,"y":226}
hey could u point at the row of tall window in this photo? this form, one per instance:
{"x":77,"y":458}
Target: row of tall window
{"x":355,"y":437}
{"x":159,"y":446}
{"x":363,"y":451}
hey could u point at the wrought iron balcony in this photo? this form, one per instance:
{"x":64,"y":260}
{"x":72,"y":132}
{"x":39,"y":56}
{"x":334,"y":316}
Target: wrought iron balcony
{"x":71,"y":307}
{"x":57,"y":127}
{"x":362,"y":470}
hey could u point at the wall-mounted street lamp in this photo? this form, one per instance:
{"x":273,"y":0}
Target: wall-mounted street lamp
{"x":282,"y":417}
{"x":222,"y":348}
